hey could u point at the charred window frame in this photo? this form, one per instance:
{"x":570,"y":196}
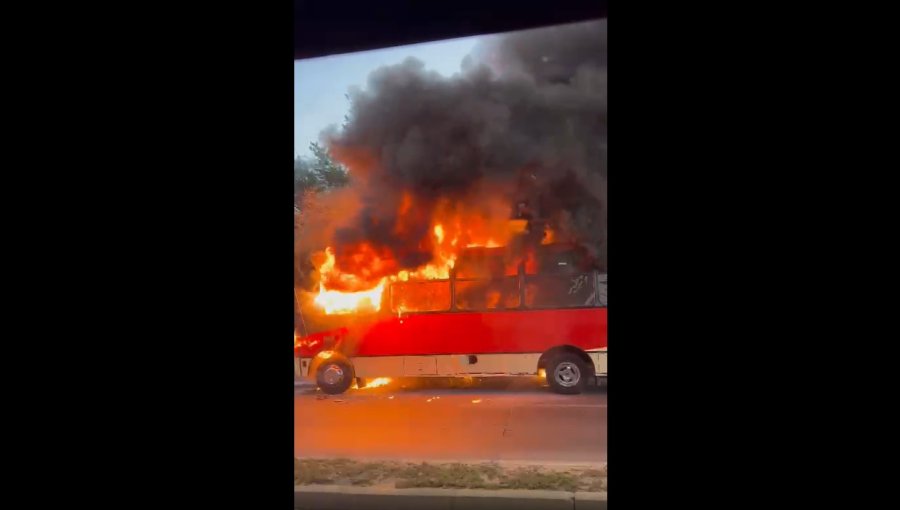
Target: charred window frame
{"x":577,"y":290}
{"x":556,"y":291}
{"x":586,"y":288}
{"x":487,"y":294}
{"x":396,"y":289}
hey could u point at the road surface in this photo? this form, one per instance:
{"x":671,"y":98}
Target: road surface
{"x":500,"y":421}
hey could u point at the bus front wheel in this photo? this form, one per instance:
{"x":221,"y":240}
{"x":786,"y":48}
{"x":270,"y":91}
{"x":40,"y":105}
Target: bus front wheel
{"x":334,"y":377}
{"x":567,"y":374}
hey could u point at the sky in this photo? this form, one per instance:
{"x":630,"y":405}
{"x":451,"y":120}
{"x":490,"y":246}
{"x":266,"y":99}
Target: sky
{"x":320,"y":83}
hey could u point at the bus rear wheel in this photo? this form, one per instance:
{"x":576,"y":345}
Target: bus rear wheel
{"x":567,"y":374}
{"x":334,"y":377}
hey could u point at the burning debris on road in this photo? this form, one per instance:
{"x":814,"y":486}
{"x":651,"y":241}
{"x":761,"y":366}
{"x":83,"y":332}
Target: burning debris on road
{"x":440,"y":165}
{"x":374,"y":383}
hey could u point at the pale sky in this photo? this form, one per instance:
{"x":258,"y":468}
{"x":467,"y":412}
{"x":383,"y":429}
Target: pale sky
{"x":320,"y":83}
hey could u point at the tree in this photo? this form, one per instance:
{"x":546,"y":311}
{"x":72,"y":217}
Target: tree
{"x":312,"y":177}
{"x":317,"y":174}
{"x":330,"y":173}
{"x":304,"y":178}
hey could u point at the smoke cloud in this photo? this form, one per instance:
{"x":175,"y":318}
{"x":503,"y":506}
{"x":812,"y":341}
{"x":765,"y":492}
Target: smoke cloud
{"x":523,"y":122}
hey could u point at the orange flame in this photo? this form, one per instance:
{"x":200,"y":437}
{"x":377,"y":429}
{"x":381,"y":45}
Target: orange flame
{"x":334,"y":302}
{"x":549,"y":237}
{"x":489,"y":244}
{"x":452,"y":227}
{"x":375,"y":383}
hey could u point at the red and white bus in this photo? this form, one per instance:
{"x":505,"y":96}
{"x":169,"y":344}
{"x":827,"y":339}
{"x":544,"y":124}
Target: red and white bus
{"x":547,"y":315}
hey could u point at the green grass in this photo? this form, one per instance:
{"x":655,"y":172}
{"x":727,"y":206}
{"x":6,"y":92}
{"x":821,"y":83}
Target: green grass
{"x":455,"y":476}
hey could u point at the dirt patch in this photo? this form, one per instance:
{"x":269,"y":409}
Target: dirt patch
{"x":450,"y":475}
{"x":342,"y":472}
{"x":453,"y":476}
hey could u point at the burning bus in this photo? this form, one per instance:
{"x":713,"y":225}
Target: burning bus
{"x":492,"y":314}
{"x":470,"y":239}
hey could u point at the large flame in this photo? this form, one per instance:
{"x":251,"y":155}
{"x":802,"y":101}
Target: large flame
{"x":334,"y":301}
{"x":451,"y":230}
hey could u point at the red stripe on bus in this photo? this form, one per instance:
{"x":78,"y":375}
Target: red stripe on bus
{"x":483,"y":333}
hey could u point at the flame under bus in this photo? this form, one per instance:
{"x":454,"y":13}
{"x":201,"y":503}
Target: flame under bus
{"x":550,"y":317}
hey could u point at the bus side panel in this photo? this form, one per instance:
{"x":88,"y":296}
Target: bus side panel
{"x":445,"y":365}
{"x":599,"y":359}
{"x":504,"y":364}
{"x":415,"y":366}
{"x":501,"y":332}
{"x":378,"y":366}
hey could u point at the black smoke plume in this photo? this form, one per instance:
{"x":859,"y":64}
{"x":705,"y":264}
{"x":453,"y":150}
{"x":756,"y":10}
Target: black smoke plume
{"x":525,"y":120}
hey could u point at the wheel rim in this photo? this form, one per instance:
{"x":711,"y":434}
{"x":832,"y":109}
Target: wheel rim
{"x":567,"y":374}
{"x":332,"y":375}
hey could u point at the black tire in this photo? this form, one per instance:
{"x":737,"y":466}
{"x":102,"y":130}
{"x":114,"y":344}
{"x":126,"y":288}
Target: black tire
{"x":567,"y":373}
{"x":334,"y":376}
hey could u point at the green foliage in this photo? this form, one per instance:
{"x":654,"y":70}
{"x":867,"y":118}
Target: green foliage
{"x":317,"y":174}
{"x":330,"y":173}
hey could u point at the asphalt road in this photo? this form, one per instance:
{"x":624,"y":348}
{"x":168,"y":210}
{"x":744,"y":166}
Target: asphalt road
{"x":501,"y":420}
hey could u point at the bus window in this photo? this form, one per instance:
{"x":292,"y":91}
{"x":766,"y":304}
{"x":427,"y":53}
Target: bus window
{"x":559,"y":259}
{"x":495,"y":294}
{"x":486,"y":263}
{"x":561,"y":291}
{"x":421,"y":296}
{"x":601,"y":289}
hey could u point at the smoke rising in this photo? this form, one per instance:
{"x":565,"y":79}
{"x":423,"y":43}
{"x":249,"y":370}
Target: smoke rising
{"x":525,"y":121}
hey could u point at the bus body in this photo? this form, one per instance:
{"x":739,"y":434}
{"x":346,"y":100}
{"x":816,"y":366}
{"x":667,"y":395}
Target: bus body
{"x":514,"y":325}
